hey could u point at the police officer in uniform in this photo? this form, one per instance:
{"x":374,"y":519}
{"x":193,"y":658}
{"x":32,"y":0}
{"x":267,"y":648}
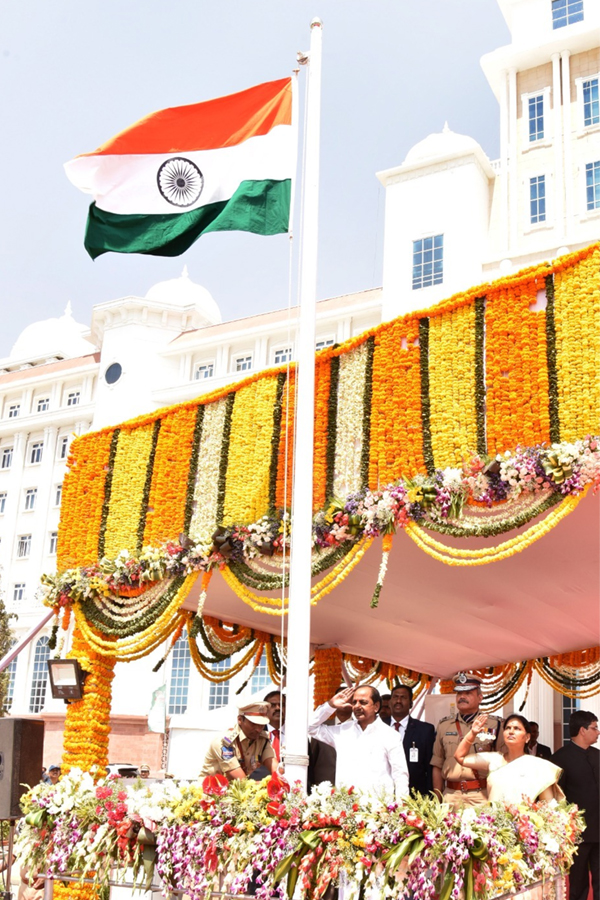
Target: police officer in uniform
{"x":242,"y":749}
{"x":461,"y":786}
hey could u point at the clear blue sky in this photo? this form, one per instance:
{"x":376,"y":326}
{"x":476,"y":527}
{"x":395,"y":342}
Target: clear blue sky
{"x":74,"y":73}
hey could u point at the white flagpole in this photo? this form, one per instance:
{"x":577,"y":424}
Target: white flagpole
{"x":298,"y":659}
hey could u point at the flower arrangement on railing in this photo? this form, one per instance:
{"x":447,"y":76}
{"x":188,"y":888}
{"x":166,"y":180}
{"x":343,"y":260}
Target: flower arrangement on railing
{"x":208,"y":835}
{"x":487,"y":497}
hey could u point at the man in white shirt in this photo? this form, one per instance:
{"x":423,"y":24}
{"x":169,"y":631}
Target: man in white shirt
{"x":370,"y":755}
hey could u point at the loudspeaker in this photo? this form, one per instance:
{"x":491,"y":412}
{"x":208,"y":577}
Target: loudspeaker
{"x":21,"y":753}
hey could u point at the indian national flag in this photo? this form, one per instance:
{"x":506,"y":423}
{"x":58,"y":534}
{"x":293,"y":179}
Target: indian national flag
{"x":223,"y":165}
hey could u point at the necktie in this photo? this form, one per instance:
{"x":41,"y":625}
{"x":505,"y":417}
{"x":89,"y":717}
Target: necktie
{"x":275,"y":742}
{"x":397,"y":726}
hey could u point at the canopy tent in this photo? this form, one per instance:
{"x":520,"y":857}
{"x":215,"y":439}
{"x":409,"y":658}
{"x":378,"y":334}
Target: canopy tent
{"x":474,"y":420}
{"x":439,"y":619}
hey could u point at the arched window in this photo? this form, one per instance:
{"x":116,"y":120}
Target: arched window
{"x":10,"y":687}
{"x":39,"y":680}
{"x":180,"y":677}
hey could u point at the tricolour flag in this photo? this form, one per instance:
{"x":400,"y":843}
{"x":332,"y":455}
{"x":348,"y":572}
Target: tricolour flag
{"x":222,"y":165}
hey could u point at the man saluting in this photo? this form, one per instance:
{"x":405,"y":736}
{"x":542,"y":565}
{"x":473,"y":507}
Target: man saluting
{"x":370,"y":755}
{"x":459,"y":785}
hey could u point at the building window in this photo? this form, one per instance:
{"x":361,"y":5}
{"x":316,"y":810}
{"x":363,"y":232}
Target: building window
{"x":569,"y":705}
{"x":73,"y":398}
{"x":592,"y":185}
{"x":324,"y":342}
{"x":283,"y":356}
{"x":537,"y":199}
{"x":53,"y":542}
{"x":180,"y":677}
{"x":566,"y":12}
{"x":7,"y":454}
{"x":219,"y":693}
{"x":243,"y":363}
{"x":23,"y":546}
{"x":591,"y":102}
{"x":39,"y":680}
{"x":63,"y":447}
{"x":30,"y":499}
{"x":13,"y":410}
{"x":428,"y":262}
{"x":2,"y":503}
{"x":261,"y":680}
{"x":43,"y":404}
{"x":58,"y":495}
{"x":35,"y":454}
{"x":536,"y":118}
{"x":10,"y":687}
{"x":204,"y":370}
{"x":19,"y":592}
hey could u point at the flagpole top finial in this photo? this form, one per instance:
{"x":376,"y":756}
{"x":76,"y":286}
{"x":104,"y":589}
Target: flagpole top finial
{"x":316,"y":23}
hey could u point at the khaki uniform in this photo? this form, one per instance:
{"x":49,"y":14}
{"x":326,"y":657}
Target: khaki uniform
{"x":450,"y":732}
{"x":234,"y":751}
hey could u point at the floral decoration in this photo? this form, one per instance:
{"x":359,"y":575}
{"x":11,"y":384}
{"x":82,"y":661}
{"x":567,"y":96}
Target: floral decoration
{"x":211,"y":835}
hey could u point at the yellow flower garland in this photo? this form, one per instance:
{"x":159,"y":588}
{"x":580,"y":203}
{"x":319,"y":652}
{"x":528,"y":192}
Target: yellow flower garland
{"x":272,"y":606}
{"x":127,"y":649}
{"x":458,"y":557}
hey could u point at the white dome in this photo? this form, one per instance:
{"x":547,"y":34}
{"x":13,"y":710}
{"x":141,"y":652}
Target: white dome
{"x":183,"y":292}
{"x":441,"y":144}
{"x":52,"y":337}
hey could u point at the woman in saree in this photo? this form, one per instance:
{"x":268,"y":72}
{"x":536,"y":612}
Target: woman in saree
{"x":513,"y":774}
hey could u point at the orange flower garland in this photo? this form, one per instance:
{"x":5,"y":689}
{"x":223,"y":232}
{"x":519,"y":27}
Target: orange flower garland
{"x":166,"y":503}
{"x":327,"y":669}
{"x":396,"y":443}
{"x":87,"y":724}
{"x":82,"y":501}
{"x":517,"y":376}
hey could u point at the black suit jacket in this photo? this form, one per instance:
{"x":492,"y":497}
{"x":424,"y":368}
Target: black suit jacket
{"x":543,"y":752}
{"x":580,"y":782}
{"x":420,"y":735}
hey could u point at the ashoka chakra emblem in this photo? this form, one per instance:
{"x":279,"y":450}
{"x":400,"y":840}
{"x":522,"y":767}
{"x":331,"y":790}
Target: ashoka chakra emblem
{"x":180,"y":181}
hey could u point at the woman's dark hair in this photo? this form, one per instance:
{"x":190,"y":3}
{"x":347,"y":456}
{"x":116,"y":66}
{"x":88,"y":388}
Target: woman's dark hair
{"x":524,"y":722}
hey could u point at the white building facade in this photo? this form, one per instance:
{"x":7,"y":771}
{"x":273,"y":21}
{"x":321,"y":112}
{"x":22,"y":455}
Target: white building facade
{"x":453,"y":219}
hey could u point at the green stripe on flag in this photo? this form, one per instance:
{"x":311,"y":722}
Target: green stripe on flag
{"x":262,"y":207}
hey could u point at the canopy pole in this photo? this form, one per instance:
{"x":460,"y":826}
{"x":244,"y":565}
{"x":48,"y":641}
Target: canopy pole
{"x":295,"y":756}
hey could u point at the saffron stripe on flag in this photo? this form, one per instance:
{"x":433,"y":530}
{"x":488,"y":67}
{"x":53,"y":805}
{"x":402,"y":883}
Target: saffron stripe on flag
{"x":222,"y":122}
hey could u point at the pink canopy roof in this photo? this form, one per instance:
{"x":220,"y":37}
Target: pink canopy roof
{"x":437,"y":618}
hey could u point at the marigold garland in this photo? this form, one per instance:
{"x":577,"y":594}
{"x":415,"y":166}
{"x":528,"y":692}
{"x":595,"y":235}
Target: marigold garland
{"x":516,"y":356}
{"x":87,"y":723}
{"x":577,"y":320}
{"x":129,"y":476}
{"x":139,"y":645}
{"x":327,"y":671}
{"x":458,"y":557}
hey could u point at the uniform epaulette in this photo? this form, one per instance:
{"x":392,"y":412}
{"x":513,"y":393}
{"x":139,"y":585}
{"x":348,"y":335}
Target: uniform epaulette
{"x":447,"y":719}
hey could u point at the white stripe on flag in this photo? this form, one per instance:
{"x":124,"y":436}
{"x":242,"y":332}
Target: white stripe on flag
{"x":128,"y":184}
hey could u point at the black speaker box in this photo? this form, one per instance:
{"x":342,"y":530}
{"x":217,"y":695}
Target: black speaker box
{"x":21,"y":753}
